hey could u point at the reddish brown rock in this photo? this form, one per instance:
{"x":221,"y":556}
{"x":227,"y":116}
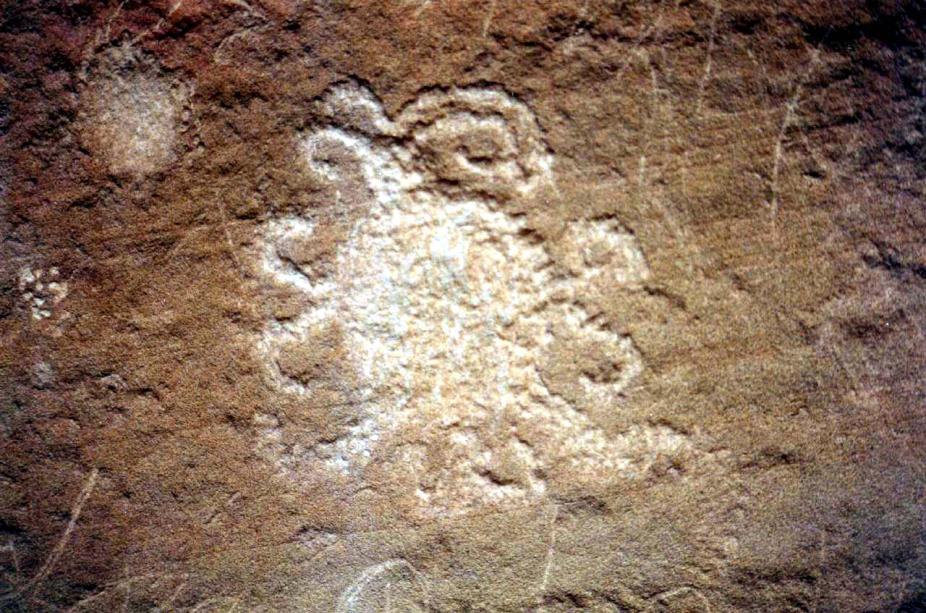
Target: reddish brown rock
{"x":459,"y":305}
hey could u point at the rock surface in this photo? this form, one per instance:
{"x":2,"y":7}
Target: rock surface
{"x":462,"y":305}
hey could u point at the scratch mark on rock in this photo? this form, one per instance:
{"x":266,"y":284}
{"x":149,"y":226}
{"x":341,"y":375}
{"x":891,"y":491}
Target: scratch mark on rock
{"x":789,"y":116}
{"x":635,"y":49}
{"x":708,"y":61}
{"x":168,"y":604}
{"x":55,"y":555}
{"x":355,"y":596}
{"x":489,"y":17}
{"x":551,"y":551}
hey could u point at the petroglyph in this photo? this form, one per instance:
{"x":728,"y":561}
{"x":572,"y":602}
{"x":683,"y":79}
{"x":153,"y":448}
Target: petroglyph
{"x":393,"y":585}
{"x":41,"y":290}
{"x":449,"y":308}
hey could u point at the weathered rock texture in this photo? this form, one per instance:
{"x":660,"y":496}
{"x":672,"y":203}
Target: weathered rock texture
{"x":462,"y":305}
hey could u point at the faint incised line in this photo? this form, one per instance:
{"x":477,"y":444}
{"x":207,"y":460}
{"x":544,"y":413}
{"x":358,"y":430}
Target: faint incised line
{"x":166,"y":606}
{"x":58,"y":550}
{"x":489,"y":17}
{"x":228,"y":241}
{"x":422,"y":5}
{"x":637,"y":44}
{"x":789,"y":116}
{"x":708,"y":62}
{"x":551,"y":550}
{"x":354,"y":593}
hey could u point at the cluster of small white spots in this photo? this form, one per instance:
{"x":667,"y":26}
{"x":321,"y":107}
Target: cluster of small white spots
{"x":41,"y":290}
{"x":449,"y":309}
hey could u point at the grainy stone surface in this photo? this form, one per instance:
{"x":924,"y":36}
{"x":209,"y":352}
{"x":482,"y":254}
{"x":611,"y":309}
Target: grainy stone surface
{"x":462,"y":305}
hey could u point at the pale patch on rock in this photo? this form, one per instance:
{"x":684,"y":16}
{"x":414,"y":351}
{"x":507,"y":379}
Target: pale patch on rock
{"x":133,"y":117}
{"x":448,"y":307}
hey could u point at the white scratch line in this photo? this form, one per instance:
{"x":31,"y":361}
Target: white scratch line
{"x":350,"y":597}
{"x":654,"y":27}
{"x":790,"y":114}
{"x":548,"y":565}
{"x":58,"y":550}
{"x":642,"y":172}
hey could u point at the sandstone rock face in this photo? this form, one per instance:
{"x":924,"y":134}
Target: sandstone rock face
{"x":462,"y":305}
